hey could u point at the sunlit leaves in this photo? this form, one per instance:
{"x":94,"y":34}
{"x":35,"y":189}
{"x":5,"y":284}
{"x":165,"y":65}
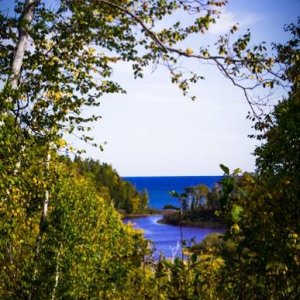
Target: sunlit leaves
{"x":236,"y":212}
{"x":110,"y":185}
{"x":85,"y":245}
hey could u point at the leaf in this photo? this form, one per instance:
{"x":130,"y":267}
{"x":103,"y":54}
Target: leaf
{"x":236,"y":212}
{"x":237,"y":171}
{"x":189,"y":51}
{"x":235,"y":229}
{"x":225,"y":169}
{"x":194,"y":257}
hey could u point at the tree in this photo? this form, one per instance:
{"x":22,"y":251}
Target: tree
{"x":213,"y":200}
{"x":85,"y":249}
{"x":51,"y":65}
{"x":203,"y":192}
{"x":111,"y":187}
{"x":262,"y":210}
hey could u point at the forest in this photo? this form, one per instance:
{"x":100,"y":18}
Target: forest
{"x":61,"y":236}
{"x":111,"y":187}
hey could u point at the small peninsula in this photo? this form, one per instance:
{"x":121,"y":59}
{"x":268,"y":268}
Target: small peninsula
{"x":199,"y":207}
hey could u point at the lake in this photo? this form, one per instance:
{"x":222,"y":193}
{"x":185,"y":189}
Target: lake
{"x":166,"y":238}
{"x":159,"y":187}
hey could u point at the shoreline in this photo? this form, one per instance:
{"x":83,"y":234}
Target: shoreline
{"x":195,"y":225}
{"x":146,"y":214}
{"x":163,"y":212}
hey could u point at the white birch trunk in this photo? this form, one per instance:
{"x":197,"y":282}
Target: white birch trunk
{"x":42,"y":222}
{"x":25,"y":23}
{"x":13,"y":80}
{"x":23,"y":37}
{"x":56,"y":274}
{"x":45,"y":209}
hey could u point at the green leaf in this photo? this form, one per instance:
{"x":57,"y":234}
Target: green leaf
{"x":236,"y":212}
{"x":237,"y":171}
{"x":225,"y":169}
{"x":194,"y":257}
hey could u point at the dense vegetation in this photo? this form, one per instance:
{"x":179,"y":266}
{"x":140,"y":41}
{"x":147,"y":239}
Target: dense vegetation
{"x":200,"y":217}
{"x":76,"y":248}
{"x":258,"y":257}
{"x":111,"y":187}
{"x":60,"y":235}
{"x":199,"y":206}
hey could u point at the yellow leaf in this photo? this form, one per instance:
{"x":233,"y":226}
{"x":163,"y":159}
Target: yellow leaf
{"x":189,"y":51}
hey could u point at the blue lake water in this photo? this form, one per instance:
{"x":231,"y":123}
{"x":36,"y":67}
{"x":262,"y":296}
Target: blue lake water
{"x":159,"y":187}
{"x":167,"y":238}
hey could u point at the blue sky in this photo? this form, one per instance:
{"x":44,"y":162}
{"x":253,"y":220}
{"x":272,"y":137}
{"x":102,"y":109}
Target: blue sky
{"x":154,"y":131}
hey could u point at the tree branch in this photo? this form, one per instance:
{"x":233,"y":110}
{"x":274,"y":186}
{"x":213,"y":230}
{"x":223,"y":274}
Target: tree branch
{"x":221,"y":61}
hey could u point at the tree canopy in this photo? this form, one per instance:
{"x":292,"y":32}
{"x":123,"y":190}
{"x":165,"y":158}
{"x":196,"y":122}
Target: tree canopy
{"x":56,"y":60}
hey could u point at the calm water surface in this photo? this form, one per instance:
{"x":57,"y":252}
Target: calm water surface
{"x":166,"y":238}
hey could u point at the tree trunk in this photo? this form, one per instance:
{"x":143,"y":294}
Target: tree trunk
{"x":42,"y":224}
{"x":24,"y":26}
{"x":56,"y":274}
{"x":45,"y":209}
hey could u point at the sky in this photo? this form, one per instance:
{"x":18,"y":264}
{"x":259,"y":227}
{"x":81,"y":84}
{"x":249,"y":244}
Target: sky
{"x":154,"y":130}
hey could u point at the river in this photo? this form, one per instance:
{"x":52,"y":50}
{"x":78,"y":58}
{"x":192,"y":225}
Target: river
{"x":166,"y":238}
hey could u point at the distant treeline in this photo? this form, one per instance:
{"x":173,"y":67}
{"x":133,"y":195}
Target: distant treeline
{"x":112,"y":187}
{"x":198,"y":207}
